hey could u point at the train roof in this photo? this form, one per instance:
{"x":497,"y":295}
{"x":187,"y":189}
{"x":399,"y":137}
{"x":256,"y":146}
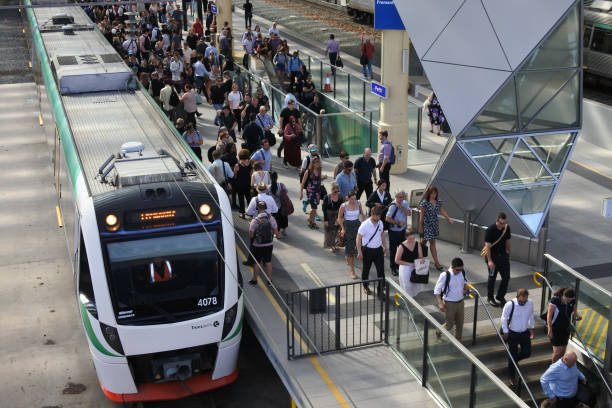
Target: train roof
{"x":103,"y":121}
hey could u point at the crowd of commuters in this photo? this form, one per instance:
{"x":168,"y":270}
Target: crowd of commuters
{"x":182,"y":71}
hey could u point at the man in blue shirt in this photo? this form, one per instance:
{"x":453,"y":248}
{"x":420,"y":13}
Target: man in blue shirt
{"x":560,"y":381}
{"x":347,"y":180}
{"x":397,"y":217}
{"x":263,"y":155}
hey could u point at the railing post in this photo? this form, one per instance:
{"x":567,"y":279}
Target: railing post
{"x":337,"y":320}
{"x":334,"y":85}
{"x":425,"y":351}
{"x":467,"y":226}
{"x":322,"y":75}
{"x":319,"y":131}
{"x":476,"y":298}
{"x":472,"y":386}
{"x":289,"y":331}
{"x":387,"y":300}
{"x":348,"y":90}
{"x":364,"y":96}
{"x":419,"y":126}
{"x":370,"y":130}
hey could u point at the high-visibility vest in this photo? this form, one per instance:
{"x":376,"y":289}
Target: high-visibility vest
{"x":156,"y":277}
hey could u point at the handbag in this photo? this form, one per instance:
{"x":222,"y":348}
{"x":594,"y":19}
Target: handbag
{"x":483,"y":252}
{"x":339,"y":62}
{"x":226,"y":184}
{"x":363,"y":60}
{"x":420,"y":273}
{"x":286,"y":203}
{"x":340,"y":241}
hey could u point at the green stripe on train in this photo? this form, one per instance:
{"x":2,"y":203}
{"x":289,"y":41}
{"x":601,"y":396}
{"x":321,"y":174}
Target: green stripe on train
{"x":59,"y":114}
{"x":91,"y":334}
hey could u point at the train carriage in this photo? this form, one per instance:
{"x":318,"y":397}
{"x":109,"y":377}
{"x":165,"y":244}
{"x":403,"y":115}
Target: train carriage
{"x":149,"y":231}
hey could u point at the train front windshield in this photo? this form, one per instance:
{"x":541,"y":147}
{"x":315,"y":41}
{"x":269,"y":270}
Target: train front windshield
{"x":165,"y":279}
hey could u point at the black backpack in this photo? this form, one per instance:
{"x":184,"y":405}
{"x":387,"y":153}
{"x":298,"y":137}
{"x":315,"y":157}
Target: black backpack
{"x":147,"y":43}
{"x":263,"y":231}
{"x":447,"y":281}
{"x":174,"y":99}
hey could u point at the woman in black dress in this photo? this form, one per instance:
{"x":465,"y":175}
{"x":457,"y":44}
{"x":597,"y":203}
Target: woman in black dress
{"x":558,"y":319}
{"x":242,"y":185}
{"x":331,"y":205}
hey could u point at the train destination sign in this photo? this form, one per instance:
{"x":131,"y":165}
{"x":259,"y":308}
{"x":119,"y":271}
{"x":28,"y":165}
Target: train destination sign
{"x":386,"y":16}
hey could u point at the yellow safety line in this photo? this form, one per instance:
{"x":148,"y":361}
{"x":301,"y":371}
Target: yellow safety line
{"x":58,"y":212}
{"x":586,"y":330}
{"x":584,"y":313}
{"x":591,"y":169}
{"x":329,"y":382}
{"x":40,"y":120}
{"x":319,"y":282}
{"x":313,"y":359}
{"x":594,"y":330}
{"x":601,"y":336}
{"x":293,"y":403}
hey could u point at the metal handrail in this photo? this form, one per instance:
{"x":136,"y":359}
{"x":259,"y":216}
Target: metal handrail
{"x":579,"y":276}
{"x":518,"y":370}
{"x":591,"y":357}
{"x":395,"y":300}
{"x":459,"y":346}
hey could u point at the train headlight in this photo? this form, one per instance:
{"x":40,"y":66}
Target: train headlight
{"x":206,"y":212}
{"x":112,"y":222}
{"x":228,"y":321}
{"x":112,"y":337}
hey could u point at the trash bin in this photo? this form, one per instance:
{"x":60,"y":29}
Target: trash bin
{"x":316,"y":302}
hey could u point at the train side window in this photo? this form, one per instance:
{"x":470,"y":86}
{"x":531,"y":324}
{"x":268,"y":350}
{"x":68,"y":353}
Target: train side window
{"x":86,"y":292}
{"x":602,"y":40}
{"x":588,"y":30}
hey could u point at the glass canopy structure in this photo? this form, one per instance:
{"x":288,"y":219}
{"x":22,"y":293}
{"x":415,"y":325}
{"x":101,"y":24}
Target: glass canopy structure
{"x":515,"y":108}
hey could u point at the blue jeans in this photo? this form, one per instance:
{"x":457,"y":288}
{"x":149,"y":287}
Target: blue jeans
{"x":218,"y":107}
{"x":369,"y":65}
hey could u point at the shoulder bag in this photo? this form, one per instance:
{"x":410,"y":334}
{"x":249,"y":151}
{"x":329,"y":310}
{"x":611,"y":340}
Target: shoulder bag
{"x":286,"y":207}
{"x":483,"y":252}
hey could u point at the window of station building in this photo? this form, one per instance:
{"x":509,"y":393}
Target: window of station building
{"x":602,"y":40}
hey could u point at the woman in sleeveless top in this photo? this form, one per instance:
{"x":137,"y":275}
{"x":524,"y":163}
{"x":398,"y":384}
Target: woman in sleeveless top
{"x":311,"y":181}
{"x":331,"y":205}
{"x":407,"y":254}
{"x":243,"y":180}
{"x":259,"y":175}
{"x":349,"y":218}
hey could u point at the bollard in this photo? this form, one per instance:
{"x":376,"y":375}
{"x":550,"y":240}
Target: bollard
{"x":467,"y":225}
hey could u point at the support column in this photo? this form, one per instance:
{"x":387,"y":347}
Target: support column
{"x":225,"y":14}
{"x":393,"y":110}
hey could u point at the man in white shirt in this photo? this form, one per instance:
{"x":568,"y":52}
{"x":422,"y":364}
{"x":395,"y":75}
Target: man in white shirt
{"x":372,"y":248}
{"x":450,"y":290}
{"x":271,"y":206}
{"x":517,"y":324}
{"x":176,"y":67}
{"x":273,"y":29}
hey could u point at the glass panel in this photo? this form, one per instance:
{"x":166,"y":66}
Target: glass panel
{"x":561,"y":48}
{"x":406,"y":326}
{"x":499,"y":116}
{"x":315,"y":71}
{"x":563,"y":111}
{"x":552,"y":149}
{"x":356,"y":93}
{"x":487,"y":393}
{"x":341,"y":86}
{"x":373,"y":104}
{"x":602,"y":40}
{"x":530,"y":203}
{"x":593,"y":305}
{"x":413,"y":125}
{"x":525,"y":168}
{"x":535,"y":89}
{"x":491,"y":155}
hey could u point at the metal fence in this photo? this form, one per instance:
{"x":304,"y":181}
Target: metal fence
{"x":337,"y":317}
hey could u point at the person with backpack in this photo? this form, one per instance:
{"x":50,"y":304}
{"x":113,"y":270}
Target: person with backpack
{"x":397,"y":219}
{"x":450,"y":290}
{"x":517,"y":323}
{"x":386,"y":157}
{"x":262,"y":231}
{"x":278,"y":191}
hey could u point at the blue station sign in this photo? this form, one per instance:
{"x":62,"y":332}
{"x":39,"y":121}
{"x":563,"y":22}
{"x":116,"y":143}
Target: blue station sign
{"x":386,"y":16}
{"x":214,"y":9}
{"x":379,"y":90}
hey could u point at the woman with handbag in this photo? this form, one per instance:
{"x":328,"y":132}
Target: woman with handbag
{"x":291,"y":136}
{"x":408,"y":254}
{"x":259,"y":175}
{"x":312,"y":182}
{"x":331,"y":205}
{"x":349,"y":219}
{"x":431,"y":206}
{"x":276,"y":191}
{"x":558,"y":319}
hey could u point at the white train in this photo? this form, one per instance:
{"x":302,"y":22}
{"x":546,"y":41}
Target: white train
{"x":149,"y":231}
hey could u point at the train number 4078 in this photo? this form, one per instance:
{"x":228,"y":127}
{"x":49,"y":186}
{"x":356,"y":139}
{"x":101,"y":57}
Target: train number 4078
{"x":203,"y":302}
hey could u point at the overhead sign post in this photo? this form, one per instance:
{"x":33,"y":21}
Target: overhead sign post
{"x":214,"y":9}
{"x":379,"y":90}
